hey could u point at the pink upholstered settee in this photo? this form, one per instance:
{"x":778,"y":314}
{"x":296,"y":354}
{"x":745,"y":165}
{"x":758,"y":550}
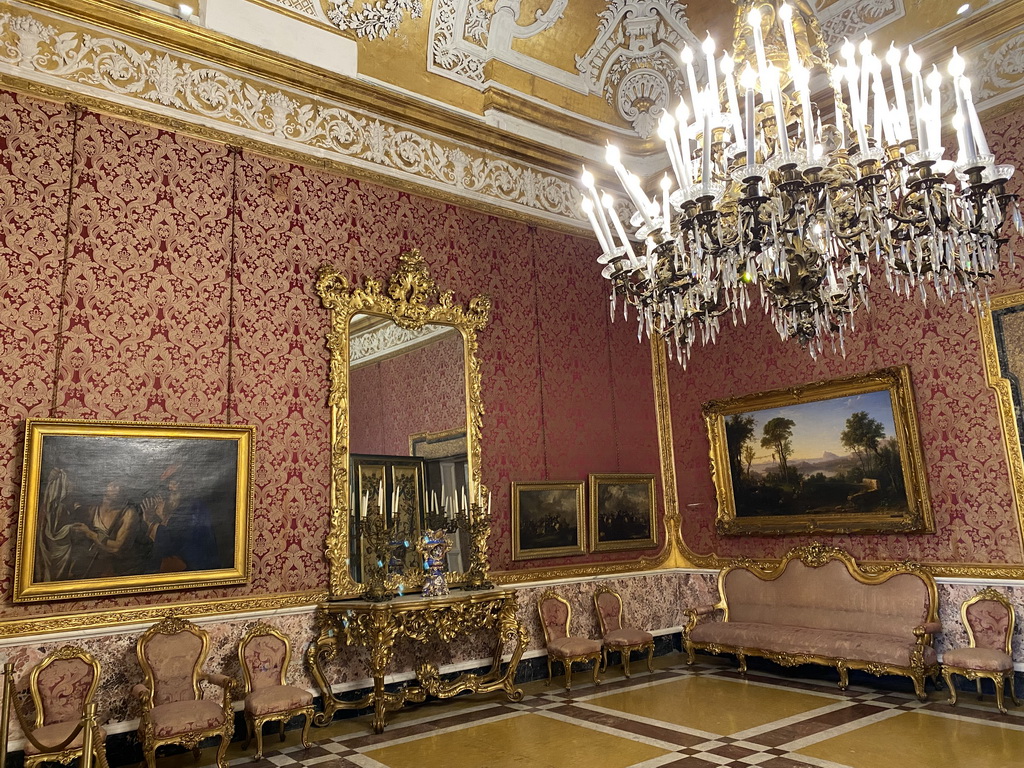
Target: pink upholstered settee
{"x":819,"y":607}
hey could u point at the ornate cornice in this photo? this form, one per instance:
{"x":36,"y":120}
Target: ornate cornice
{"x":281,"y":104}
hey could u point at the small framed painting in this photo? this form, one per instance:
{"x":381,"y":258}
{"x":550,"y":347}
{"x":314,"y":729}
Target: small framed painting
{"x":547,"y":520}
{"x":622,"y":512}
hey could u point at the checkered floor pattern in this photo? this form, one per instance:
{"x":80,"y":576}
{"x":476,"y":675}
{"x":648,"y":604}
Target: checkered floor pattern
{"x":773,"y":739}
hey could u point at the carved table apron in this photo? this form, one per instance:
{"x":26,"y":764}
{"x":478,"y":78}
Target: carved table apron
{"x":376,"y":627}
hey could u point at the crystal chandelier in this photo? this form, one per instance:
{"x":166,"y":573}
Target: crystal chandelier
{"x":804,"y":211}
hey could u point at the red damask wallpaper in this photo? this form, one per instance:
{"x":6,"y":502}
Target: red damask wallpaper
{"x":420,"y":391}
{"x":186,"y":294}
{"x":975,"y":516}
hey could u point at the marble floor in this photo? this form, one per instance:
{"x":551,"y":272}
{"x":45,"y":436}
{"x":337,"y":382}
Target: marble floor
{"x":678,"y":717}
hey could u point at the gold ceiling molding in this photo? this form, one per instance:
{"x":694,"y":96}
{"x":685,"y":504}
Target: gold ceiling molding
{"x":40,"y":47}
{"x":66,"y":622}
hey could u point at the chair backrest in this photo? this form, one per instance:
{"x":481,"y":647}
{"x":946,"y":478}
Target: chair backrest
{"x":988,"y":617}
{"x":62,"y":684}
{"x":172,"y":654}
{"x":264,"y":655}
{"x":554,"y":615}
{"x":609,"y":609}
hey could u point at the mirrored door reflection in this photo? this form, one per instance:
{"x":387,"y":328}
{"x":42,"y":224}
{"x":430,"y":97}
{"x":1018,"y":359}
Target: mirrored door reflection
{"x":407,"y":434}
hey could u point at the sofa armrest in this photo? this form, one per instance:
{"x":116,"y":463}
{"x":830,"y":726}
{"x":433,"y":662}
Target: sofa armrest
{"x":217,"y":679}
{"x":695,"y":614}
{"x":928,"y":628}
{"x":140,"y":692}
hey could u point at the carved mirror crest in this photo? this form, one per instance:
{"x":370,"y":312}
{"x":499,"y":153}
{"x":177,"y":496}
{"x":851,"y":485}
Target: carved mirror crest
{"x":396,"y":351}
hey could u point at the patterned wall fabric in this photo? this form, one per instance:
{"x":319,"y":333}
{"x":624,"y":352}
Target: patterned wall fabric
{"x":975,"y":514}
{"x":153,"y":297}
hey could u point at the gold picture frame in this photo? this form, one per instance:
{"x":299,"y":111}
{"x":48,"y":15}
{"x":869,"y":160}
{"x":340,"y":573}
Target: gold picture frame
{"x":548,"y":520}
{"x":115,"y":507}
{"x":623,"y":511}
{"x":841,"y":456}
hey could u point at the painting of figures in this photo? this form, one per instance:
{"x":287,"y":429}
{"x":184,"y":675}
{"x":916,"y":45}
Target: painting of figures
{"x":114,"y":507}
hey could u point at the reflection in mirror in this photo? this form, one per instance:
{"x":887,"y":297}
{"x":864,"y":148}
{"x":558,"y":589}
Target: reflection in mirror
{"x":407,"y":416}
{"x":389,"y":410}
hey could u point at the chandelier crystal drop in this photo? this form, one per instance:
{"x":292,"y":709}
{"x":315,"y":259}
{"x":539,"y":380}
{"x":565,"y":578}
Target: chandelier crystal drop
{"x":800,"y":214}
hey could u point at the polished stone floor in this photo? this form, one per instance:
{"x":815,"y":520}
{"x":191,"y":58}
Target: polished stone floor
{"x":678,"y":717}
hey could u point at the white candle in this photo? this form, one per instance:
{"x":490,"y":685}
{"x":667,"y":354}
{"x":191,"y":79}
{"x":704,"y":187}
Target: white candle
{"x":892,"y":58}
{"x":786,"y":13}
{"x":667,"y":132}
{"x":609,"y":205}
{"x":588,"y":208}
{"x":866,"y":69}
{"x":934,"y":82}
{"x":754,"y":18}
{"x":917,"y":89}
{"x":636,"y":195}
{"x":747,"y":81}
{"x":465,"y":502}
{"x":837,"y":91}
{"x":958,"y":126}
{"x":972,"y":115}
{"x":380,"y":499}
{"x":644,"y":203}
{"x":771,"y":76}
{"x":588,"y":182}
{"x":666,"y":210}
{"x":858,"y":125}
{"x":682,"y":118}
{"x":713,"y":103}
{"x":691,"y":79}
{"x":730,"y":91}
{"x":801,"y":81}
{"x":706,"y":166}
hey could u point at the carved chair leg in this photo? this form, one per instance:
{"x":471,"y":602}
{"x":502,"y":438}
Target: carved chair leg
{"x":998,"y":680}
{"x":604,"y":659}
{"x":150,"y":754}
{"x":919,"y":687}
{"x":222,"y":751}
{"x":283,"y":722}
{"x":626,"y":653}
{"x":549,"y":671}
{"x":690,"y":657}
{"x":650,"y":658}
{"x":1013,"y":688}
{"x":248,"y":730}
{"x":742,"y":660}
{"x":844,"y":677}
{"x":948,"y":677}
{"x":567,"y":665}
{"x":305,"y":729}
{"x":596,"y":665}
{"x":259,"y":742}
{"x":196,"y":752}
{"x":977,"y":685}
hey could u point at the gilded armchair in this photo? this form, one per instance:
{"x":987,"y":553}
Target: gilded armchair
{"x":264,"y":654}
{"x":988,"y":617}
{"x":616,"y":637}
{"x":62,"y":685}
{"x":555,"y":615}
{"x":174,"y":711}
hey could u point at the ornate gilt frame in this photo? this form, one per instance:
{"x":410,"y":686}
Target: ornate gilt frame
{"x":916,"y":518}
{"x":411,"y":300}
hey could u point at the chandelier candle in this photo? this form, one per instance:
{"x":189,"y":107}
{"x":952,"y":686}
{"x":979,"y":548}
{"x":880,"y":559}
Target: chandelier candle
{"x":797,"y":212}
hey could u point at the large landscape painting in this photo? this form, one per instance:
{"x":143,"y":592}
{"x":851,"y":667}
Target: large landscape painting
{"x":839,"y":456}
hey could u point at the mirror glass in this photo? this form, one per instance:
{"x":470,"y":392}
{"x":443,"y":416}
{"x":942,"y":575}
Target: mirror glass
{"x":407,"y":435}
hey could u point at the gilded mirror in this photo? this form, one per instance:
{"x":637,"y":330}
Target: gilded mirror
{"x":388,"y":454}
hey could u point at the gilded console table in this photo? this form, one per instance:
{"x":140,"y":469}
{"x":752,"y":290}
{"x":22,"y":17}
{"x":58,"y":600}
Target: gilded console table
{"x":376,"y":627}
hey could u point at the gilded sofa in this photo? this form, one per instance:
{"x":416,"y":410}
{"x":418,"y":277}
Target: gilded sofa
{"x":819,"y":607}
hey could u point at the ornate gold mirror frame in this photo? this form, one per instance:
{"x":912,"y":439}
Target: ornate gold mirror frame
{"x":411,"y":300}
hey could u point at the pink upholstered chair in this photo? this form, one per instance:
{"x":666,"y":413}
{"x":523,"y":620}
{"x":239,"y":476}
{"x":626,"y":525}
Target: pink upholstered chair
{"x":264,"y":654}
{"x":616,"y":637}
{"x":555,"y":615}
{"x":174,"y":711}
{"x":988,"y":617}
{"x":62,"y":685}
